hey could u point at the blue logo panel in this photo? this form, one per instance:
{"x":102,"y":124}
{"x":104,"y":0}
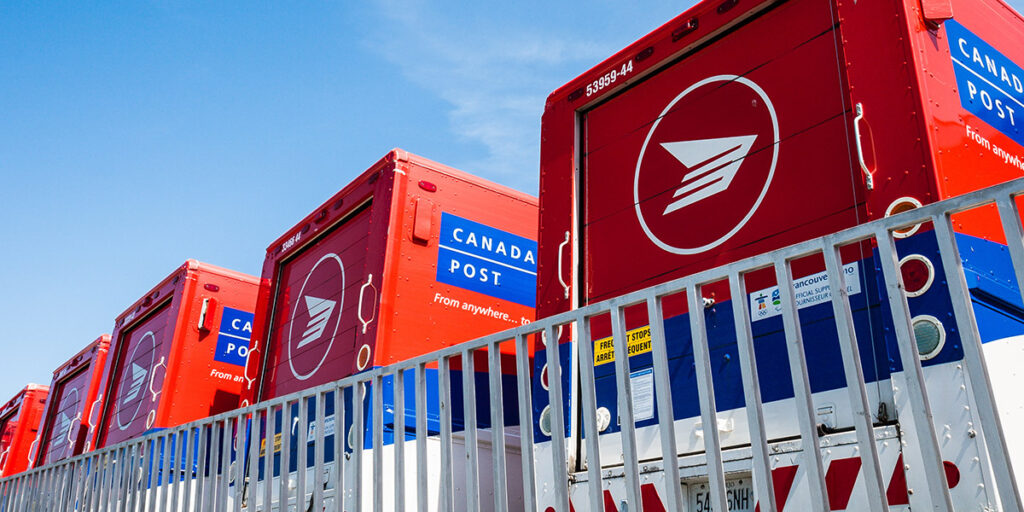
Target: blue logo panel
{"x":486,"y":260}
{"x":233,"y":340}
{"x":991,"y":86}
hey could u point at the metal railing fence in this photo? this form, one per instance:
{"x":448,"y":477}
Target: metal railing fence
{"x":225,"y":462}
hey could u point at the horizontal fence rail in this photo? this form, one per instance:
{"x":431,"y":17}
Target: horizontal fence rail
{"x":437,"y":437}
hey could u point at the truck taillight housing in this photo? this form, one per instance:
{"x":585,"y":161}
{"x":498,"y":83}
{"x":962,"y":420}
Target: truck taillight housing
{"x":918,"y":274}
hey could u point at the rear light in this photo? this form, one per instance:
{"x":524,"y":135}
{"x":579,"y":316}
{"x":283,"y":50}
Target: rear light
{"x":211,"y":287}
{"x":544,"y":377}
{"x":364,"y":357}
{"x":544,"y":422}
{"x":929,"y":335}
{"x":903,"y":204}
{"x":428,"y":186}
{"x":682,"y":31}
{"x":604,"y":419}
{"x":952,"y":473}
{"x":918,"y":274}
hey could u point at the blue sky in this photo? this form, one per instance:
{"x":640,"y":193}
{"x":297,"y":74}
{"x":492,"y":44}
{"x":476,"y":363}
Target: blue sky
{"x":135,"y":135}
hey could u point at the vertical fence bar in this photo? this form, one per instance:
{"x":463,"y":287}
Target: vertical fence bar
{"x":399,"y":476}
{"x":470,"y":431}
{"x":803,"y":400}
{"x":242,"y":431}
{"x":855,"y":383}
{"x":252,"y":474}
{"x":421,"y":437}
{"x":706,"y":397}
{"x":320,"y":420}
{"x":269,"y":449}
{"x":928,"y":444}
{"x":166,"y":455}
{"x":340,"y":438}
{"x":555,"y":397}
{"x":624,"y":384}
{"x":497,"y":403}
{"x":446,"y":498}
{"x":663,"y":392}
{"x":205,"y":452}
{"x":173,"y":470}
{"x":303,"y":449}
{"x":1010,"y":218}
{"x":359,"y":429}
{"x":226,"y":463}
{"x":286,"y":455}
{"x":523,"y":383}
{"x":974,"y":357}
{"x":588,"y":409}
{"x":92,"y":494}
{"x":378,"y":442}
{"x":761,"y":467}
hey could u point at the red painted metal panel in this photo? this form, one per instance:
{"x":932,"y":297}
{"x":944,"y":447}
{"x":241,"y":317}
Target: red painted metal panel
{"x":313,"y":337}
{"x":133,"y":408}
{"x":160,"y":353}
{"x":19,"y":427}
{"x":715,"y":159}
{"x":73,"y":394}
{"x":383,"y":230}
{"x":640,"y":120}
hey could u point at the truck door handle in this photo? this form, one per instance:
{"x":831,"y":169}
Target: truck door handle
{"x":561,"y":250}
{"x":248,"y":357}
{"x":32,"y":448}
{"x":359,"y":310}
{"x":869,"y":179}
{"x":152,"y":377}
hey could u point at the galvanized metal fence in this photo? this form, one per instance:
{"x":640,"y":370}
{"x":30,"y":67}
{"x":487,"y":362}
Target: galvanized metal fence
{"x":227,"y":462}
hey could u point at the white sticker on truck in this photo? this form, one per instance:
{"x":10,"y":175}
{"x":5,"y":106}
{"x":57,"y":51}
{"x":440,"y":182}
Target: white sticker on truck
{"x":809,"y":290}
{"x":642,"y":382}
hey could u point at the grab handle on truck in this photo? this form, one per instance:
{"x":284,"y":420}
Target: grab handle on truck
{"x":561,"y":278}
{"x":359,"y":310}
{"x":32,"y":448}
{"x":248,"y":357}
{"x":152,"y":377}
{"x":869,"y":179}
{"x":92,"y":424}
{"x":77,"y":418}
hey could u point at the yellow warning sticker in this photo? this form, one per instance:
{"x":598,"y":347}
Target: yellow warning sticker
{"x":277,"y":445}
{"x":638,"y":342}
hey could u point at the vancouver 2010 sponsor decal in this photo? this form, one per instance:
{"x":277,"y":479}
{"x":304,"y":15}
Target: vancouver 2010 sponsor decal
{"x":991,"y":86}
{"x":487,"y":260}
{"x":706,"y":164}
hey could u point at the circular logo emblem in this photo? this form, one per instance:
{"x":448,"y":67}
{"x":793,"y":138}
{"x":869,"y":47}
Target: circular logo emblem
{"x":62,"y":431}
{"x":316,"y":316}
{"x":706,"y":164}
{"x":134,"y":380}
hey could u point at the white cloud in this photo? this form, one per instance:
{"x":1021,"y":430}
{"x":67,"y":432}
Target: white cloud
{"x":495,"y":77}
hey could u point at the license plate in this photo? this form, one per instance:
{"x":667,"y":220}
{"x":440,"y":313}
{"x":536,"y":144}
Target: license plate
{"x":739,"y":493}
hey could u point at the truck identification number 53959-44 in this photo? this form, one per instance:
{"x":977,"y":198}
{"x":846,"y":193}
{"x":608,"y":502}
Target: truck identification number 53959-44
{"x":610,"y":78}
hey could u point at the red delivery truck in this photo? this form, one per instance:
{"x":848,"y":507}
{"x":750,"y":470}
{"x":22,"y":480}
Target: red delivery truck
{"x":738,"y":128}
{"x":68,"y":417}
{"x":177,"y":354}
{"x":19,"y":426}
{"x":409,"y":257}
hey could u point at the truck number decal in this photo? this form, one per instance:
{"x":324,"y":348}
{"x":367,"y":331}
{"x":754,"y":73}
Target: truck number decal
{"x":609,"y":78}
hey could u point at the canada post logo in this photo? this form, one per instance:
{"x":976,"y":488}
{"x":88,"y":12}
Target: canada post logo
{"x":991,"y":86}
{"x":61,"y":436}
{"x":233,"y":338}
{"x":706,"y":164}
{"x":134,"y":380}
{"x":487,"y":260}
{"x":316,"y":316}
